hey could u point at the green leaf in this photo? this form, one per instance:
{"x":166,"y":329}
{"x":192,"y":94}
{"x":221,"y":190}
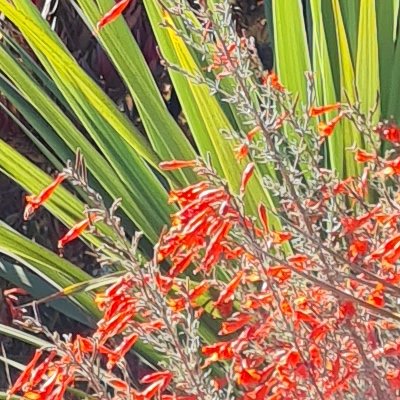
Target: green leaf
{"x":62,"y":203}
{"x":289,"y":29}
{"x":367,"y":64}
{"x":347,"y":81}
{"x":121,"y":172}
{"x":56,"y":271}
{"x":385,"y":21}
{"x":350,"y":13}
{"x":324,"y":84}
{"x":166,"y":137}
{"x":39,"y":287}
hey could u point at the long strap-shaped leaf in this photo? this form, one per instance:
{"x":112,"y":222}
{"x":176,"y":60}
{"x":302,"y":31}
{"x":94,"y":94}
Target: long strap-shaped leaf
{"x":290,"y":45}
{"x":367,"y":63}
{"x":385,"y":22}
{"x":351,"y":13}
{"x":166,"y":136}
{"x":56,"y":271}
{"x":123,"y":174}
{"x":347,"y":81}
{"x":62,"y":203}
{"x":57,"y":60}
{"x":324,"y":83}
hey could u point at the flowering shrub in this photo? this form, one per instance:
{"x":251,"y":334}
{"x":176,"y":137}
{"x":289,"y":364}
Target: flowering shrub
{"x":308,"y":310}
{"x":314,"y":320}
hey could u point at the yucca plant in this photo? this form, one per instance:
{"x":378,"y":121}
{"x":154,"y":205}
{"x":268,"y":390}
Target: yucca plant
{"x":67,"y":110}
{"x":353,"y":49}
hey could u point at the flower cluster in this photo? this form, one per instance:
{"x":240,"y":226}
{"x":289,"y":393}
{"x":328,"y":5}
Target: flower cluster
{"x":294,"y":299}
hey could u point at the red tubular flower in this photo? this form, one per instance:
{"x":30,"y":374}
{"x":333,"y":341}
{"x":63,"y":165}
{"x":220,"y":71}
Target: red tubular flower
{"x":392,"y":167}
{"x":362,"y":156}
{"x":389,"y":132}
{"x":76,"y":231}
{"x":281,"y":237}
{"x":203,"y":223}
{"x":262,"y":213}
{"x":247,"y":174}
{"x":376,"y":297}
{"x":316,"y":111}
{"x":163,"y":377}
{"x":217,"y":352}
{"x":235,"y":323}
{"x":250,"y":135}
{"x":214,"y":248}
{"x":351,"y":224}
{"x":177,"y":164}
{"x":393,"y":377}
{"x":158,"y":382}
{"x":228,"y":293}
{"x":247,"y":376}
{"x":326,"y":129}
{"x":241,"y":151}
{"x":108,"y":328}
{"x":113,"y":14}
{"x":34,"y":202}
{"x":121,"y":350}
{"x":271,"y":78}
{"x":388,"y":252}
{"x":25,"y":376}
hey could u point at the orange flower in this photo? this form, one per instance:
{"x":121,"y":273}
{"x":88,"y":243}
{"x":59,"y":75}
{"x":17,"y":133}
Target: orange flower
{"x":247,"y":174}
{"x":319,"y":332}
{"x":76,"y":231}
{"x":262,"y":213}
{"x":270,"y":78}
{"x":343,"y":187}
{"x":393,"y":377}
{"x":112,"y":15}
{"x":389,"y":132}
{"x":180,"y":303}
{"x":280,"y":120}
{"x":241,"y":151}
{"x":376,"y":297}
{"x":388,"y":251}
{"x":250,"y":135}
{"x":255,"y":301}
{"x":121,"y":350}
{"x":316,"y":111}
{"x":110,"y":327}
{"x":247,"y":376}
{"x":177,"y":164}
{"x":279,"y":272}
{"x":217,"y":352}
{"x":158,"y":382}
{"x":228,"y":293}
{"x":24,"y":378}
{"x":351,"y":224}
{"x":235,"y":323}
{"x":281,"y":237}
{"x":203,"y":222}
{"x":34,"y":202}
{"x":393,"y":167}
{"x":362,"y":156}
{"x":326,"y":129}
{"x":180,"y":265}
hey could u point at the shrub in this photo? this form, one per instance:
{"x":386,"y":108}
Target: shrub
{"x":291,"y":297}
